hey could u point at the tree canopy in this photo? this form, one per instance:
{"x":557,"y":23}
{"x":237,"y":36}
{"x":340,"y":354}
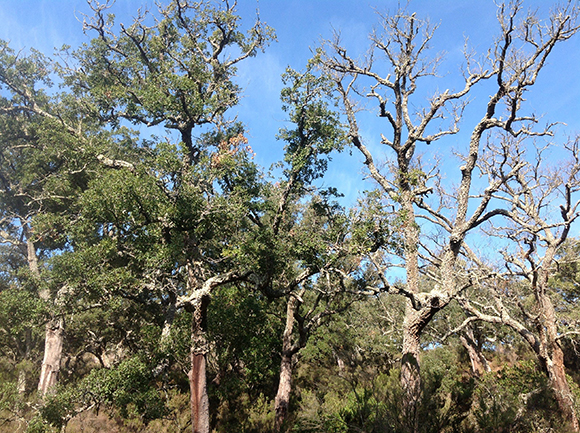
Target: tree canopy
{"x":155,"y":277}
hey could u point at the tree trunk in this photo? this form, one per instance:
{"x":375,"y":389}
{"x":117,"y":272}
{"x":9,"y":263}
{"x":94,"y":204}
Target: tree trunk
{"x":168,"y":320}
{"x":415,"y":322}
{"x":198,"y":388}
{"x":54,"y":331}
{"x":560,"y":387}
{"x":282,"y":401}
{"x":479,"y":364}
{"x":197,"y":376}
{"x":410,"y":366}
{"x":21,"y":387}
{"x":551,"y":353}
{"x":52,"y":355}
{"x":164,"y":342}
{"x":412,"y":328}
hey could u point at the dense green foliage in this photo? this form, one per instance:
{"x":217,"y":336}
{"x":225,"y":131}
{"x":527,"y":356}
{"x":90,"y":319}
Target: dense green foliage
{"x":149,"y":251}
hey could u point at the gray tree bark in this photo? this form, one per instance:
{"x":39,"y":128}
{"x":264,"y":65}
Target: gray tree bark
{"x":54,"y":330}
{"x":282,"y":401}
{"x":479,"y":364}
{"x":550,"y":352}
{"x":53,"y":343}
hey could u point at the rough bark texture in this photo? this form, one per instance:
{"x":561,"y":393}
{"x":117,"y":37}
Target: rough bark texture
{"x":21,"y":386}
{"x":514,"y":69}
{"x":552,"y":359}
{"x":54,"y":332}
{"x":560,"y":386}
{"x":544,"y":341}
{"x":197,"y":376}
{"x":413,"y":323}
{"x":416,"y":318}
{"x":53,"y":342}
{"x":169,"y":318}
{"x":410,"y":365}
{"x":22,"y":379}
{"x":282,"y":401}
{"x":479,"y":364}
{"x":550,"y":352}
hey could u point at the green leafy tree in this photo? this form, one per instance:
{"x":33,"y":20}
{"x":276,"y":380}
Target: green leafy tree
{"x":308,"y":238}
{"x":175,"y":212}
{"x":46,"y":145}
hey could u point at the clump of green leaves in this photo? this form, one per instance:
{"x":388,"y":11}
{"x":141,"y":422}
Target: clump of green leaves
{"x":317,"y":130}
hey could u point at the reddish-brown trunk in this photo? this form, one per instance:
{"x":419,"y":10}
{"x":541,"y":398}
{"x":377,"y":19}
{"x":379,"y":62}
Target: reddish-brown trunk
{"x":197,"y":376}
{"x":552,"y":358}
{"x":560,"y":387}
{"x":198,"y":388}
{"x":550,"y":355}
{"x":52,"y":355}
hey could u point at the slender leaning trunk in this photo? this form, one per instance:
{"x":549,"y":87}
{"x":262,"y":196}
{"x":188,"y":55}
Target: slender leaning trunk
{"x":197,"y":375}
{"x":168,"y":319}
{"x":21,"y":386}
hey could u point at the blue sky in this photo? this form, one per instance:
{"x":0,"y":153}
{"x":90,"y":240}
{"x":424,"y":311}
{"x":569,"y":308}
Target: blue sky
{"x":300,"y":25}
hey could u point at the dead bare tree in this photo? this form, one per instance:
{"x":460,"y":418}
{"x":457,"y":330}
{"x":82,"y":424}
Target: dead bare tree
{"x":390,"y":76}
{"x":541,"y":205}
